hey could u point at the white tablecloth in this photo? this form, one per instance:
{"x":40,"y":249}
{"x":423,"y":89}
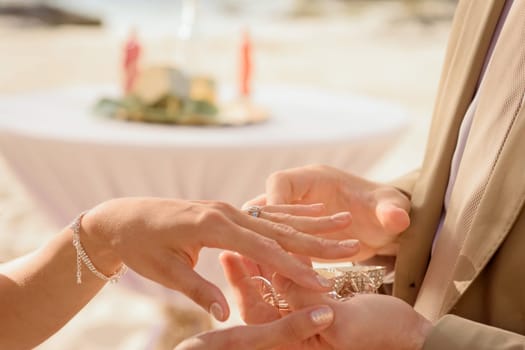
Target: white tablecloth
{"x":70,"y":160}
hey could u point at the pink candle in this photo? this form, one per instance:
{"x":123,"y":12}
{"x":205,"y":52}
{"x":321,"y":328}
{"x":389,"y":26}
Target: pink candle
{"x":245,"y":65}
{"x":132,"y":52}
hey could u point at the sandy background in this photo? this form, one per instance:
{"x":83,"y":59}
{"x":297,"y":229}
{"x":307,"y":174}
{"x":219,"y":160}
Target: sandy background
{"x":386,"y":50}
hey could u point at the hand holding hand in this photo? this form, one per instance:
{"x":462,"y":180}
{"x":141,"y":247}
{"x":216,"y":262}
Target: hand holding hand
{"x":161,"y":240}
{"x":367,"y":321}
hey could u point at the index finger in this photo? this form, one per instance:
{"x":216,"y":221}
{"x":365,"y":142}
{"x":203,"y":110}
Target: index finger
{"x":267,"y":251}
{"x":299,"y":242}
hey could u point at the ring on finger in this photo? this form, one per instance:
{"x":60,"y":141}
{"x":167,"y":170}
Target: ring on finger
{"x":254,"y":211}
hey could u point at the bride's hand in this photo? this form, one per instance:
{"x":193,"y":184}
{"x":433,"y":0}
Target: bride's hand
{"x":161,"y":240}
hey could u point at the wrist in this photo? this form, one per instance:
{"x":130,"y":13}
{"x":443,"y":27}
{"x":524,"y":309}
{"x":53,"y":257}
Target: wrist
{"x":97,"y":245}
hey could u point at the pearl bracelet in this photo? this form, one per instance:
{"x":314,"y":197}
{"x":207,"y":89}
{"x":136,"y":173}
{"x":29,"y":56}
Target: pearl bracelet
{"x":82,"y":257}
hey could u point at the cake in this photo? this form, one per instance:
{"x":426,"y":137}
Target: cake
{"x":169,"y":95}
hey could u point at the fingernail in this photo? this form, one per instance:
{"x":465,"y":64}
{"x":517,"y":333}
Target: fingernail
{"x":216,"y":311}
{"x":323,"y":315}
{"x":342,"y":217}
{"x":387,"y":206}
{"x":349,"y":243}
{"x":324,"y":282}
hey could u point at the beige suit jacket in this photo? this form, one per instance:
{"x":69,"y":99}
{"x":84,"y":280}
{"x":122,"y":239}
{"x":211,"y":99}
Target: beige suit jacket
{"x":483,"y":306}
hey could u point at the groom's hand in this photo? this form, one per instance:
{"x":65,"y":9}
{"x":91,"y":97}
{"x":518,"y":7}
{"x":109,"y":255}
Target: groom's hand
{"x":365,"y":321}
{"x":379,"y":212}
{"x":289,"y":332}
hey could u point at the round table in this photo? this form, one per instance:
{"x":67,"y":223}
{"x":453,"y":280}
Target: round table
{"x":70,"y":160}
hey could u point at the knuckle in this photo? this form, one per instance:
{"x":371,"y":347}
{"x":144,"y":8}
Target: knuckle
{"x":271,"y":245}
{"x":277,"y":177}
{"x":284,"y":231}
{"x":282,"y":217}
{"x":323,"y":243}
{"x":222,"y":206}
{"x":212,"y":216}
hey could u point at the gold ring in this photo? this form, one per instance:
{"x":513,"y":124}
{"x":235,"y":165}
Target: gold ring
{"x":270,"y":295}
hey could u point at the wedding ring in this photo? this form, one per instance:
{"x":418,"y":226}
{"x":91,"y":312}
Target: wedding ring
{"x":254,"y":211}
{"x":270,"y":295}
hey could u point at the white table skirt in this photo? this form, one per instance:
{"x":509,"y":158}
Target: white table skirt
{"x":70,"y":160}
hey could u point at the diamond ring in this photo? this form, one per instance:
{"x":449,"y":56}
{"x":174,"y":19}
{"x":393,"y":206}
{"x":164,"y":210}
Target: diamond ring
{"x":254,"y":211}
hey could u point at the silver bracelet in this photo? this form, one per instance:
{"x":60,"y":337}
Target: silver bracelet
{"x":82,"y":257}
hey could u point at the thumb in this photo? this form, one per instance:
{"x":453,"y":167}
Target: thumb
{"x":393,"y":218}
{"x":201,"y":291}
{"x":295,"y":327}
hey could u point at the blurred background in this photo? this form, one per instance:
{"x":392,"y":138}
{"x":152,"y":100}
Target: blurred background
{"x":388,"y":50}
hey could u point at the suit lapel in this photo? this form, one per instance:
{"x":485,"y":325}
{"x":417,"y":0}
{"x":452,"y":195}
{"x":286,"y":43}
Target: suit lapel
{"x":491,"y":176}
{"x":473,"y":26}
{"x":498,"y":209}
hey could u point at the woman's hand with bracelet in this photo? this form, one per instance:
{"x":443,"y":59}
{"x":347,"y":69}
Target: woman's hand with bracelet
{"x":161,"y":240}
